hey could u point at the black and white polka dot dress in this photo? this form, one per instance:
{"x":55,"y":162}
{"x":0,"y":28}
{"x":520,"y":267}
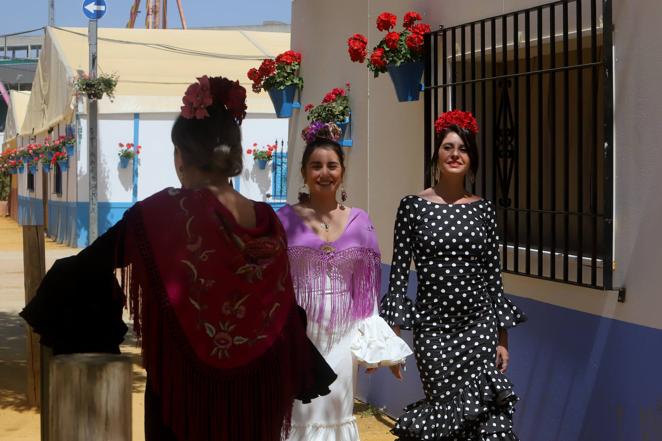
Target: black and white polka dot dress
{"x":459,"y":308}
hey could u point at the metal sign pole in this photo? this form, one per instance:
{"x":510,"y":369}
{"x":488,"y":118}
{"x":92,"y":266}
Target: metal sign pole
{"x":92,"y":132}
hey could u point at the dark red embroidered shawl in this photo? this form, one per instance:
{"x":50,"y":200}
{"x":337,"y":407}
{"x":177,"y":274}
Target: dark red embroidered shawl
{"x":223,"y":343}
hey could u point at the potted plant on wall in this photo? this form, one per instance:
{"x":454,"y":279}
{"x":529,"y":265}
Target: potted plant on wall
{"x":60,"y":159}
{"x":262,"y":156}
{"x":333,"y":109}
{"x":127,"y":152}
{"x":94,"y":89}
{"x":280,"y":78}
{"x":398,"y":53}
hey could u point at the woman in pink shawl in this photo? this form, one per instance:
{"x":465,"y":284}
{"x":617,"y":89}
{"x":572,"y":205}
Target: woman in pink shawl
{"x":335,"y":265}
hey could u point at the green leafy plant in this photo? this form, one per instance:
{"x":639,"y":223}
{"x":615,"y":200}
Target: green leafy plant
{"x":334,"y":107}
{"x":96,"y":88}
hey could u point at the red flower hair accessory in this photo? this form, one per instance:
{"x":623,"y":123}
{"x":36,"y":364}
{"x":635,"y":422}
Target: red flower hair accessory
{"x":457,"y":118}
{"x":215,"y":90}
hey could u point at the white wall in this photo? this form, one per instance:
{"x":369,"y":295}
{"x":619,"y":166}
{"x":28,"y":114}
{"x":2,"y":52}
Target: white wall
{"x":386,"y":161}
{"x":255,"y":183}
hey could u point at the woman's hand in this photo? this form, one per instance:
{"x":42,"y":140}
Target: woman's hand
{"x":502,"y":356}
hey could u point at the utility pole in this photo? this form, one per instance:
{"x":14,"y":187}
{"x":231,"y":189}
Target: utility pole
{"x":92,"y":120}
{"x":51,"y":12}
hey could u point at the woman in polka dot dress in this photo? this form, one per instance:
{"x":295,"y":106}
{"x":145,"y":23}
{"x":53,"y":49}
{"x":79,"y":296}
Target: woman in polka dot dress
{"x":461,"y":315}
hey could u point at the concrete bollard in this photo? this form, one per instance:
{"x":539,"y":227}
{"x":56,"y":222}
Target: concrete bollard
{"x":90,"y":398}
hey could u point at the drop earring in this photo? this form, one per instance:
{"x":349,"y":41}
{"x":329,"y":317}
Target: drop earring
{"x":343,"y":194}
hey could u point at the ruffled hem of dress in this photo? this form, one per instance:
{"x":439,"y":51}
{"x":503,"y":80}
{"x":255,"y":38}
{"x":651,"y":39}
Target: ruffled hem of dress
{"x":483,"y":408}
{"x":398,"y":310}
{"x":344,"y":430}
{"x":508,"y":314}
{"x":375,"y":344}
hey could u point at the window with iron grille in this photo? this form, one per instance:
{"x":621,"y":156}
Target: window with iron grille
{"x":279,"y":176}
{"x":539,"y":83}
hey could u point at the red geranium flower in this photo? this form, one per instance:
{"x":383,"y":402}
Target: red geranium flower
{"x":420,"y":28}
{"x":253,"y":74}
{"x":386,"y":21}
{"x":411,"y":17}
{"x":392,"y":39}
{"x":249,"y":151}
{"x":377,"y":58}
{"x":267,"y":68}
{"x":289,"y":57}
{"x":357,"y":44}
{"x":308,"y":107}
{"x":414,"y":41}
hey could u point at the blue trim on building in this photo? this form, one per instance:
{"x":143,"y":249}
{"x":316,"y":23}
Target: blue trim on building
{"x":30,"y":211}
{"x":136,"y":142}
{"x":68,"y":222}
{"x":581,"y":377}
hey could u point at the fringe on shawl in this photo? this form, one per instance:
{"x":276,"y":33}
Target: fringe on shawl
{"x":335,"y":288}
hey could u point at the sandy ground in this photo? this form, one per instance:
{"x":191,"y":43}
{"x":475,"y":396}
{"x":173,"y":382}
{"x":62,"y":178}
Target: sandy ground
{"x":20,"y":422}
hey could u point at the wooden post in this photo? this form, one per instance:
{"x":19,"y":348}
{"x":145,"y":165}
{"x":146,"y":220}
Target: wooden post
{"x":90,"y":398}
{"x":34,"y":268}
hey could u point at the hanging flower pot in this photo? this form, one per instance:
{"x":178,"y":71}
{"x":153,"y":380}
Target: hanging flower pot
{"x":335,"y":109}
{"x":407,"y":79}
{"x":69,"y":147}
{"x":262,"y":156}
{"x":283,"y":100}
{"x":33,"y":169}
{"x":279,"y":77}
{"x":21,"y":169}
{"x":46,"y":167}
{"x":63,"y":164}
{"x":124,"y":161}
{"x":404,"y":48}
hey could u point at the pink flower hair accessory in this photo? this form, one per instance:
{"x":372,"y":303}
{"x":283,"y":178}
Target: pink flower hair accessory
{"x":215,"y":90}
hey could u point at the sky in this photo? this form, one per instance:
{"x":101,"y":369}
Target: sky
{"x":22,"y":15}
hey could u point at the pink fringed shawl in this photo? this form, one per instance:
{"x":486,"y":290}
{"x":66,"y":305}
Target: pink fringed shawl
{"x":349,"y":269}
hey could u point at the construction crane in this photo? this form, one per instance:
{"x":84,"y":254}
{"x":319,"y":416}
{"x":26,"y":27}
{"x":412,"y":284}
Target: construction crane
{"x":156,"y":16}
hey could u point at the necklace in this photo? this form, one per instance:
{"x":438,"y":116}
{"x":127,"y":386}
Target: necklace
{"x":325,"y":226}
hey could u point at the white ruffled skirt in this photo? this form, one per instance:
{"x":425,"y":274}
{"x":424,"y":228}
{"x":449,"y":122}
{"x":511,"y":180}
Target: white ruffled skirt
{"x":368,"y":342}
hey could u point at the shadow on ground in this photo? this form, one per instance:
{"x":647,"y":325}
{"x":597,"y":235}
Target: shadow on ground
{"x":13,"y":374}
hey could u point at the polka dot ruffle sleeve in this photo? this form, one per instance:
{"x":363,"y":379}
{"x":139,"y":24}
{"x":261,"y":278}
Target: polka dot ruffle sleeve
{"x":508,"y":315}
{"x":396,"y":308}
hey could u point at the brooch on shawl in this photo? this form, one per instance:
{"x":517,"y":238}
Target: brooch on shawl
{"x":327,"y":248}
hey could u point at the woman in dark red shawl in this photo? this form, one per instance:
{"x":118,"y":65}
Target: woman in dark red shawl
{"x":206,"y":275}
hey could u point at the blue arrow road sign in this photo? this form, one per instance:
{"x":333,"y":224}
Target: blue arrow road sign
{"x":94,"y":9}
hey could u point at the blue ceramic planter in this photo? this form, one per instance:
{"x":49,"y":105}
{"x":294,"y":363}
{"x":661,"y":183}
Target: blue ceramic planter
{"x":124,"y":161}
{"x":343,"y":125}
{"x":283,"y":100}
{"x":407,"y":80}
{"x":63,"y":164}
{"x":21,"y":168}
{"x":70,"y":149}
{"x":33,"y":169}
{"x":46,"y":167}
{"x":262,"y":163}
